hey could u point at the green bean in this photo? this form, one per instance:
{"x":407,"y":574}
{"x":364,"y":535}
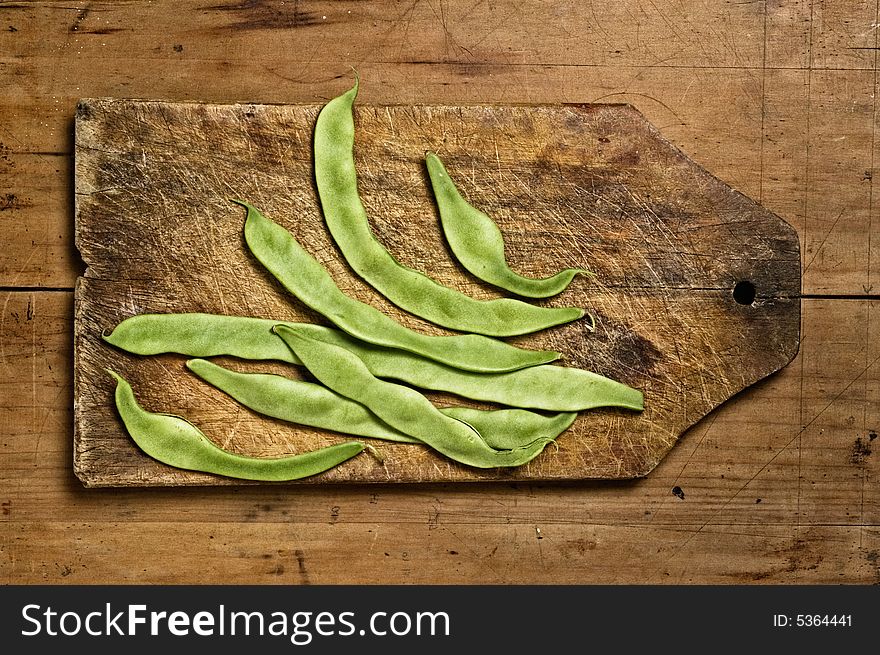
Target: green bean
{"x":308,"y":403}
{"x":401,"y":407}
{"x":305,"y":278}
{"x":296,"y":401}
{"x":201,"y":335}
{"x":551,"y":388}
{"x":478,"y":244}
{"x":175,"y":441}
{"x":508,"y":429}
{"x":407,"y":288}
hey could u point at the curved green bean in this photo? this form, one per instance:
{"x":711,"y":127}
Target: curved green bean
{"x":550,"y":388}
{"x":297,"y":401}
{"x":508,"y":429}
{"x":201,"y":335}
{"x":407,"y":288}
{"x":312,"y":404}
{"x":401,"y":407}
{"x":175,"y":441}
{"x":478,"y":244}
{"x":305,"y":278}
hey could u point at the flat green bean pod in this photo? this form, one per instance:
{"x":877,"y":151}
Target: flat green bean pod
{"x":407,"y":288}
{"x":201,"y":335}
{"x":550,"y":388}
{"x":478,"y":244}
{"x":508,"y":429}
{"x":305,"y":278}
{"x":297,"y":401}
{"x":312,"y":404}
{"x":401,"y":407}
{"x":175,"y":441}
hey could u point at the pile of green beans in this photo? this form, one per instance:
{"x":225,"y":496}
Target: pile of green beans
{"x":408,"y":289}
{"x":305,"y":278}
{"x":545,"y":387}
{"x":401,"y":407}
{"x":307,"y":403}
{"x":354,"y":364}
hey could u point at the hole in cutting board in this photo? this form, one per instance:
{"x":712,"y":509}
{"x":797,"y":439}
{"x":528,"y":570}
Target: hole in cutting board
{"x":744,"y":292}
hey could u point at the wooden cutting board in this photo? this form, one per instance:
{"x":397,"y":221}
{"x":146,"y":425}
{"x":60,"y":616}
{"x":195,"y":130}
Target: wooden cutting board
{"x":593,"y":186}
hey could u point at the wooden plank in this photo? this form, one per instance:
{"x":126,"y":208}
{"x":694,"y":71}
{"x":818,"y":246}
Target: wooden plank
{"x":392,"y":553}
{"x":711,"y":71}
{"x":743,"y":464}
{"x":764,"y":499}
{"x":627,"y":34}
{"x":729,"y":155}
{"x":36,"y":221}
{"x":590,"y":186}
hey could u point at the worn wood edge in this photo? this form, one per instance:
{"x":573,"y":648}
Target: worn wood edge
{"x":82,"y":106}
{"x":792,"y":233}
{"x":82,"y":472}
{"x":790,"y":353}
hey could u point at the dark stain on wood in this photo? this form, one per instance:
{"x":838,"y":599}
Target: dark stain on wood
{"x":632,"y":356}
{"x":269,"y":15}
{"x":80,"y":17}
{"x":861,"y":450}
{"x":105,"y":30}
{"x":9,"y":201}
{"x":301,"y":566}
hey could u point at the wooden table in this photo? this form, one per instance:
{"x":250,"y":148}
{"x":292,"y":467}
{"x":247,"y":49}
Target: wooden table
{"x":776,"y":98}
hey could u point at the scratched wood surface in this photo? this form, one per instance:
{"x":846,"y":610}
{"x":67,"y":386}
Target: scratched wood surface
{"x":779,"y":485}
{"x":586,"y":186}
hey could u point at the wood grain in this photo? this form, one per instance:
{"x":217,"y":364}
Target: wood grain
{"x":590,"y":186}
{"x":710,"y":83}
{"x":734,"y":85}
